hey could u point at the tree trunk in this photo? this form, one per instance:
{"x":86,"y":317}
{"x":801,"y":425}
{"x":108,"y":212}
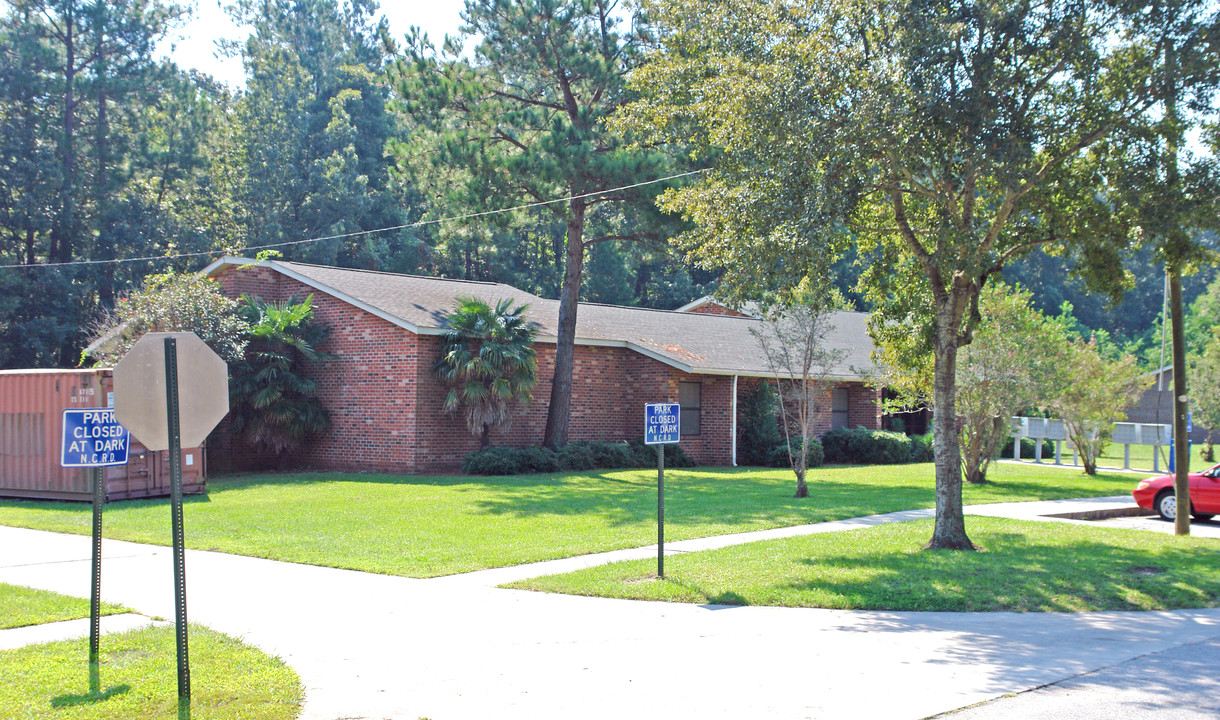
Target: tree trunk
{"x":802,"y":489}
{"x":485,"y":437}
{"x":1181,"y":442}
{"x":105,"y":244}
{"x":64,"y":225}
{"x":950,"y":530}
{"x":974,"y":463}
{"x":556,"y":434}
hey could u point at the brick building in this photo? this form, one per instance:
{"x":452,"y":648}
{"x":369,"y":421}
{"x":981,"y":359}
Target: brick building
{"x":386,"y":406}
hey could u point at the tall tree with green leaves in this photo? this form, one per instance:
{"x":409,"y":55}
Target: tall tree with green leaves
{"x":1171,"y":189}
{"x":524,"y":119}
{"x":312,"y":130}
{"x":943,"y":137}
{"x":1095,"y":394}
{"x":487,"y":361}
{"x":85,"y":105}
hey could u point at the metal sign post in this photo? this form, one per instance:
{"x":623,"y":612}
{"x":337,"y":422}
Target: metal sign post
{"x":660,"y":511}
{"x":173,"y":423}
{"x":147,"y":376}
{"x":662,"y":426}
{"x":95,"y":595}
{"x":93,"y":439}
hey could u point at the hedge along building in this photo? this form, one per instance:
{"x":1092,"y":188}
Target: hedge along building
{"x":386,"y":406}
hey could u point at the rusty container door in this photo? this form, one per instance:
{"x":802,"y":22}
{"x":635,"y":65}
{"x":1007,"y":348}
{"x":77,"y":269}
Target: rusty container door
{"x":31,"y":424}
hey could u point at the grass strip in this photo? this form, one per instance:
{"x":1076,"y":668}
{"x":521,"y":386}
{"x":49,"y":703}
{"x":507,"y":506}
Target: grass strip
{"x":427,"y":526}
{"x":22,"y":606}
{"x":1023,"y":566}
{"x":138,"y":680}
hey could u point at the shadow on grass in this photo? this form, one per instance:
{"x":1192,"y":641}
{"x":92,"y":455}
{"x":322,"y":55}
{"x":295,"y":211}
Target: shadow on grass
{"x":1016,"y":572}
{"x":65,"y":701}
{"x":711,"y":499}
{"x":715,"y":497}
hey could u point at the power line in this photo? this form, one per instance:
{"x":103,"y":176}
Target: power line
{"x":357,"y":233}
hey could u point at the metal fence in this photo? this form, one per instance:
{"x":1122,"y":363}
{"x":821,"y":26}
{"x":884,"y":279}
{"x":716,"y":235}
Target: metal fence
{"x":1125,"y":434}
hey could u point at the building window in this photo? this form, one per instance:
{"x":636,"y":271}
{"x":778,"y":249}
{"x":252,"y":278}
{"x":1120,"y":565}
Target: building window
{"x":690,"y":398}
{"x":838,"y":408}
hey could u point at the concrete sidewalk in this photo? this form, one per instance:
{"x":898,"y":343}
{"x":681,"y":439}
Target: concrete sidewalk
{"x":371,"y":646}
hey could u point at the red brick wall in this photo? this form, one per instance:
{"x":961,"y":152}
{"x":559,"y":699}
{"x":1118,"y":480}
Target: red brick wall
{"x":651,"y":382}
{"x":863,"y":406}
{"x":386,"y":407}
{"x":368,"y":389}
{"x":609,"y":388}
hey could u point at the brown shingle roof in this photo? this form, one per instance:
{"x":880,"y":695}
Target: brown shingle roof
{"x":698,"y":343}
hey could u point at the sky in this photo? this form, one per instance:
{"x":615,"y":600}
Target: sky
{"x":193,"y":45}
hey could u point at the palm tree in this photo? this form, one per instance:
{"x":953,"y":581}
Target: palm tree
{"x":487,"y":361}
{"x":274,"y":403}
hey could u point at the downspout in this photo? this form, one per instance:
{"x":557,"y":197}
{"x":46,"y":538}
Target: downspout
{"x":733,"y":425}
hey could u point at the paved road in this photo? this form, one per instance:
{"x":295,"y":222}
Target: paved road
{"x":371,"y":646}
{"x":1175,"y":684}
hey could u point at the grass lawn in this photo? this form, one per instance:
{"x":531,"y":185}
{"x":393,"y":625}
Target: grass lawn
{"x":1141,"y":457}
{"x":428,"y":526}
{"x":21,"y":606}
{"x":1024,"y":566}
{"x":139,"y":680}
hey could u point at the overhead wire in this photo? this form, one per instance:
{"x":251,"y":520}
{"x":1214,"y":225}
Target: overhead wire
{"x":356,"y":233}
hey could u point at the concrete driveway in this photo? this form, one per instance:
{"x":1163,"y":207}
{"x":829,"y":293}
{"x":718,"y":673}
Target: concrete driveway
{"x":371,"y":646}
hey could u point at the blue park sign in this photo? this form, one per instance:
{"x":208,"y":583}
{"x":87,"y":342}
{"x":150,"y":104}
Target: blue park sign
{"x":662,"y":423}
{"x":93,"y":438}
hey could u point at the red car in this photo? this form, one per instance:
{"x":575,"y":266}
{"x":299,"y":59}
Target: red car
{"x":1157,"y":494}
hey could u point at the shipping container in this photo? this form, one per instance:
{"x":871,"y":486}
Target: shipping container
{"x":31,"y":424}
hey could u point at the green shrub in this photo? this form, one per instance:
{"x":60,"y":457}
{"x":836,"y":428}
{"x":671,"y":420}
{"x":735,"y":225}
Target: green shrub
{"x":814,"y":455}
{"x":866,"y":447}
{"x":579,"y":455}
{"x":921,"y":448}
{"x":1027,"y":448}
{"x":646,"y":455}
{"x":538,"y":459}
{"x":613,"y":455}
{"x":759,"y":426}
{"x":492,"y":461}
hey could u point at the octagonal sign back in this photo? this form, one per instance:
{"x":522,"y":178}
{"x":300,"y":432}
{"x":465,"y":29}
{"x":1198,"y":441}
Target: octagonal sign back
{"x":139,"y":390}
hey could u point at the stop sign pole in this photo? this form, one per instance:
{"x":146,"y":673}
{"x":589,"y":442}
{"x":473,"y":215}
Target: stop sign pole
{"x":147,"y":376}
{"x":173,"y":423}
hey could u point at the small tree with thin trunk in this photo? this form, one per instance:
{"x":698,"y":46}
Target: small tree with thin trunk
{"x":1096,"y":392}
{"x":793,"y":341}
{"x":487,"y":361}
